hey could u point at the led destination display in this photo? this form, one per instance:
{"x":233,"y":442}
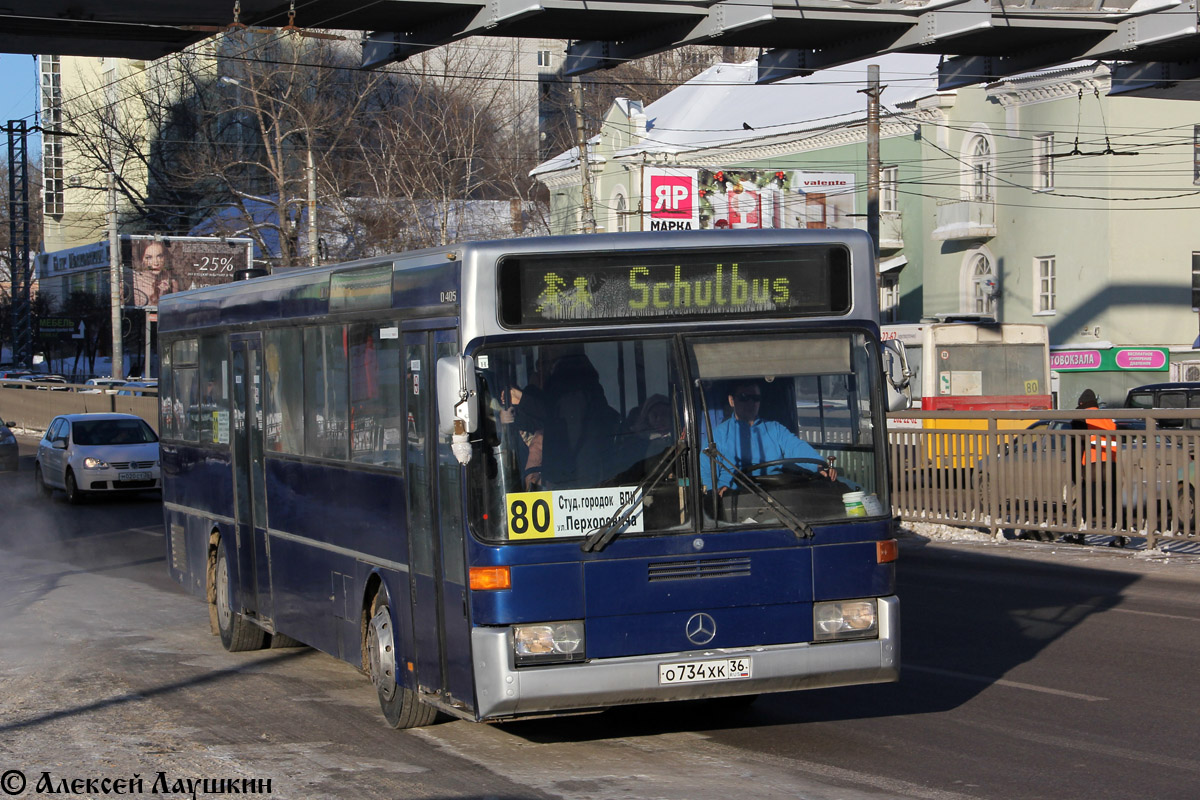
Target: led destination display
{"x":570,"y":289}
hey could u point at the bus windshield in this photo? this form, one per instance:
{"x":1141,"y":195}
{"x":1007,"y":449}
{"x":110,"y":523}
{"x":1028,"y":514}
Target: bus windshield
{"x":666,"y":431}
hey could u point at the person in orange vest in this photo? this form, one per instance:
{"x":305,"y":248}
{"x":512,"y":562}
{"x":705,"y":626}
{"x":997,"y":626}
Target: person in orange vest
{"x":1098,"y":458}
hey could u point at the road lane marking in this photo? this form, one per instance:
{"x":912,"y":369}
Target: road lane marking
{"x":1091,"y":698}
{"x":1156,"y":614}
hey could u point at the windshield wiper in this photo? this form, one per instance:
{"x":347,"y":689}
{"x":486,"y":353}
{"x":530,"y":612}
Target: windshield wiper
{"x":598,"y":539}
{"x":796,"y":525}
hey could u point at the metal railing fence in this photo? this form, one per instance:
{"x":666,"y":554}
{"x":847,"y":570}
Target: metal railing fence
{"x":983,"y":469}
{"x":977,"y":470}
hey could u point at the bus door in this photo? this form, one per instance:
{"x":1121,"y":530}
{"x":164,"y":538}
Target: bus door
{"x":249,"y":484}
{"x":437,"y":557}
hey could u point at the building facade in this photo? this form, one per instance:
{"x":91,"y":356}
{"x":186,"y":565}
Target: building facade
{"x":1034,"y":199}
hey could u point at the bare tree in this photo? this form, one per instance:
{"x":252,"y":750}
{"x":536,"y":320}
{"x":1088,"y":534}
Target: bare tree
{"x":400,"y":158}
{"x":446,"y":154}
{"x":645,"y":79}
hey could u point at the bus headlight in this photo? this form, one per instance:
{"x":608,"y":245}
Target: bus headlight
{"x":845,"y":619}
{"x":548,"y":643}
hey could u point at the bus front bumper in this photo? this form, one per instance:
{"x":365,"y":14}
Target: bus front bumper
{"x":504,"y":691}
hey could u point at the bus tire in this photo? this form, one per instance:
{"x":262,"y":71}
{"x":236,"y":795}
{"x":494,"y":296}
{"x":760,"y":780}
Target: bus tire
{"x":278,"y":641}
{"x":237,"y":633}
{"x":401,"y":707}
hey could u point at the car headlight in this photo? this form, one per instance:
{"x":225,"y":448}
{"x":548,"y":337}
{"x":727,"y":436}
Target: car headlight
{"x":94,"y":463}
{"x":548,"y":643}
{"x":845,"y":619}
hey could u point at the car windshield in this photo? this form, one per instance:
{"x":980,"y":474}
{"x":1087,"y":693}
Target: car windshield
{"x":112,"y":431}
{"x":576,"y":436}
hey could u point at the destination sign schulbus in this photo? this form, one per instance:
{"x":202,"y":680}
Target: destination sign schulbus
{"x":569,"y":289}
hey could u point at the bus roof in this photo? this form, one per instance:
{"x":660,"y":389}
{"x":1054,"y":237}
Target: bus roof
{"x":462,"y":278}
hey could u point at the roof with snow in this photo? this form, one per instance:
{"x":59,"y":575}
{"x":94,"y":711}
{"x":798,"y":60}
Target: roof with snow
{"x":724,"y":105}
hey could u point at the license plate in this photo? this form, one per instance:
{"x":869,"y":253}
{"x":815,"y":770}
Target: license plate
{"x":725,"y":669}
{"x":133,"y":476}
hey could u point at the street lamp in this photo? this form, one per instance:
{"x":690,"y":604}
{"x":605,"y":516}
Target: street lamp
{"x":311,"y":172}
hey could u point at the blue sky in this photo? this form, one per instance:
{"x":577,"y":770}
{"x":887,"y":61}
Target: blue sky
{"x":18,"y":88}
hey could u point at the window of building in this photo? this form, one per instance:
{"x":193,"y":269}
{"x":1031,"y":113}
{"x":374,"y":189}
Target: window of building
{"x":1196,"y":154}
{"x":983,"y":287}
{"x":1195,"y":281}
{"x":620,"y":213}
{"x":1044,"y":269}
{"x":981,"y":169}
{"x":53,"y":201}
{"x":1043,"y":163}
{"x":543,"y":58}
{"x":889,"y":189}
{"x":889,"y":298}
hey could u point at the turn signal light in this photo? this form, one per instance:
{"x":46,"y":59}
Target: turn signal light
{"x":887,"y":551}
{"x":490,"y":578}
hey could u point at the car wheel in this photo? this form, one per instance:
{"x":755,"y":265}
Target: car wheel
{"x":75,"y":495}
{"x":401,"y":707}
{"x":237,"y":633}
{"x":1183,"y":510}
{"x":43,"y":490}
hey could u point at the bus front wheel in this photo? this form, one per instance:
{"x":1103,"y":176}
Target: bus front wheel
{"x":401,"y":707}
{"x":237,"y":633}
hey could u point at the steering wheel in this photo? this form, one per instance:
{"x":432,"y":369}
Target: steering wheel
{"x":820,"y":462}
{"x":804,"y":475}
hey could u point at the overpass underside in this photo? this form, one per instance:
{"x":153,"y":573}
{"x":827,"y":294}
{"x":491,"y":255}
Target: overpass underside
{"x":1153,"y":42}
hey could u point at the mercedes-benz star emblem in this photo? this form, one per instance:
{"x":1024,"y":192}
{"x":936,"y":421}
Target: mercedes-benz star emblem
{"x":700,"y":628}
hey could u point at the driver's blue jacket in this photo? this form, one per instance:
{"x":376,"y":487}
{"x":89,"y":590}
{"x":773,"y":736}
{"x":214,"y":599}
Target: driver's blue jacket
{"x":749,"y":443}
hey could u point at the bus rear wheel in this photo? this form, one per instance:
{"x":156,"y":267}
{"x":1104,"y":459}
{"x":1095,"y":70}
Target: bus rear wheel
{"x":401,"y":707}
{"x":237,"y":633}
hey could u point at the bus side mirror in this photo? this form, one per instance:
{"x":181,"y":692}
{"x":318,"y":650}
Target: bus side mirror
{"x":898,"y":375}
{"x":457,"y":397}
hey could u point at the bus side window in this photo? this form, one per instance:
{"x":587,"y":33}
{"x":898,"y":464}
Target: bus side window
{"x":325,"y":409}
{"x":376,"y":403}
{"x":284,"y":395}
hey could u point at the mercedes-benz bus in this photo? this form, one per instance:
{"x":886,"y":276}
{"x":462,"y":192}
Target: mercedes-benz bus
{"x":478,"y":472}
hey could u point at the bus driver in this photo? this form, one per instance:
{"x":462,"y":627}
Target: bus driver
{"x":745,"y":440}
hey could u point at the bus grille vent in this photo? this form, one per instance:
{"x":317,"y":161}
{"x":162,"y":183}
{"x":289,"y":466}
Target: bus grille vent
{"x":707,"y":568}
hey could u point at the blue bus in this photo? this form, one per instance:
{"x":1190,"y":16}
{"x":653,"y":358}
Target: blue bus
{"x":501,"y":477}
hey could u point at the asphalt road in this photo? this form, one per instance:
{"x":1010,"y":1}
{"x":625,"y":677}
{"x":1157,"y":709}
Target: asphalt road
{"x":1031,"y":671}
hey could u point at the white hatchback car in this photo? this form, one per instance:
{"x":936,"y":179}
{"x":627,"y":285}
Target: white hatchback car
{"x":86,"y":453}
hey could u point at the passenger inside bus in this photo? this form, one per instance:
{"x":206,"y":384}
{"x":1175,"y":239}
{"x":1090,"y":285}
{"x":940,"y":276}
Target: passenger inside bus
{"x":530,"y":420}
{"x":579,"y":425}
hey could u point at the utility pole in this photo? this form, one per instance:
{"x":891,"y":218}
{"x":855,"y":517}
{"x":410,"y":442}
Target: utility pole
{"x":114,"y":278}
{"x":873,"y":160}
{"x":589,"y":218}
{"x":18,"y":242}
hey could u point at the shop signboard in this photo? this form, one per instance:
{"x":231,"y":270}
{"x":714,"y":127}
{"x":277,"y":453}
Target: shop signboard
{"x":1113,"y":359}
